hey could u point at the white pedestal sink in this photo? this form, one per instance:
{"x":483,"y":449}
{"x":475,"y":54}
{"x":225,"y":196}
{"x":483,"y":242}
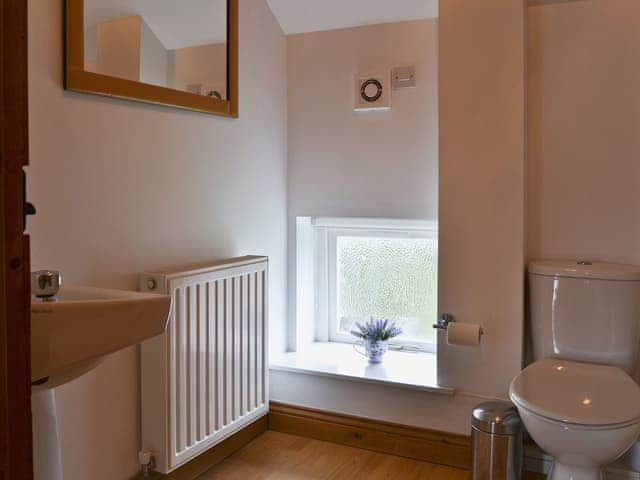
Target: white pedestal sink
{"x":70,"y":336}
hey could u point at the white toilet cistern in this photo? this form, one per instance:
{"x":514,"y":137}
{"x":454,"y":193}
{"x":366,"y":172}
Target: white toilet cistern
{"x":577,"y":399}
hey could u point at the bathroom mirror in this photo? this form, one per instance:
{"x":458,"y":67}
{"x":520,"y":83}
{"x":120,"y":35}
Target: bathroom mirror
{"x":176,"y":53}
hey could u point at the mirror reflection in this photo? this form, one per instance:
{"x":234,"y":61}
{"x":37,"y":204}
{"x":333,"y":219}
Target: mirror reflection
{"x":181,"y":45}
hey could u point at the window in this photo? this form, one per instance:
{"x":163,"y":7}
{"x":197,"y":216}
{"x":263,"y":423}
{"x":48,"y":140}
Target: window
{"x":353,"y":269}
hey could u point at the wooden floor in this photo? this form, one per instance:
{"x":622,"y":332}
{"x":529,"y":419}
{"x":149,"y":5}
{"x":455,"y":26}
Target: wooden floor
{"x":276,"y":455}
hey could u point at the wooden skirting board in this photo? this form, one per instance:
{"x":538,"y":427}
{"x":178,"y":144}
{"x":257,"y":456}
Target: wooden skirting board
{"x":417,"y":443}
{"x":215,"y":455}
{"x":421,"y":444}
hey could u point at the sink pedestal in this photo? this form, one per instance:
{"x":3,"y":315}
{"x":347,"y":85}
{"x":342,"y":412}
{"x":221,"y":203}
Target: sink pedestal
{"x":47,"y":458}
{"x":70,"y":335}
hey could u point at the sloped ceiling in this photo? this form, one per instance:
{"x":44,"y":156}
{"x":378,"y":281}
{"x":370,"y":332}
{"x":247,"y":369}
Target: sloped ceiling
{"x":179,"y":24}
{"x":299,"y":16}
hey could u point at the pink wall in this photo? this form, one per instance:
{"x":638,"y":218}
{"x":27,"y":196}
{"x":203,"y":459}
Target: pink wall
{"x":584,"y":130}
{"x":123,"y":187}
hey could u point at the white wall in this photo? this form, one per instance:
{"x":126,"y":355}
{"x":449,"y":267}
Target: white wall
{"x":118,"y":48}
{"x":582,"y":174}
{"x":123,"y":187}
{"x":481,"y":51}
{"x":449,"y":413}
{"x":154,"y":58}
{"x":126,"y":48}
{"x":584,"y":109}
{"x":584,"y":130}
{"x":353,"y":164}
{"x":482,"y":189}
{"x":202,"y":64}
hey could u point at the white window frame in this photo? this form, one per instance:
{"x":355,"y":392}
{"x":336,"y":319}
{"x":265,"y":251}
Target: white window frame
{"x":316,"y":268}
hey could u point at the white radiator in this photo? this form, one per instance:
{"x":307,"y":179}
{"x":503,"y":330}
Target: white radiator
{"x":207,"y":376}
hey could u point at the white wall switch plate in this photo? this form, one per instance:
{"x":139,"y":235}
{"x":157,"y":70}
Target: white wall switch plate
{"x":403,"y":77}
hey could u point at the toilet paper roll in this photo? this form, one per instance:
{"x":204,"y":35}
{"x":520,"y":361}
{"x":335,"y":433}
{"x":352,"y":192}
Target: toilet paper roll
{"x":466,"y":334}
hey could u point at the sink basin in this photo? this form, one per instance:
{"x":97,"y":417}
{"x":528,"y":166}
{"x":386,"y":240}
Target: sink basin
{"x":72,"y":333}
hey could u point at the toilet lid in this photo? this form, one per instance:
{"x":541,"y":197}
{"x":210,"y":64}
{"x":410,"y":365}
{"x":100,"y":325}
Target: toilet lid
{"x":580,"y":393}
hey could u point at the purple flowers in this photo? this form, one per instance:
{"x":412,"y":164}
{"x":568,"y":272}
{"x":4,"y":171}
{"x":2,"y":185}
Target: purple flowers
{"x":376,"y":330}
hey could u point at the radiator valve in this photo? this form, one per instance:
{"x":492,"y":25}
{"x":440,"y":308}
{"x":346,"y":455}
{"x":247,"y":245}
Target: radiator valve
{"x":147,"y":463}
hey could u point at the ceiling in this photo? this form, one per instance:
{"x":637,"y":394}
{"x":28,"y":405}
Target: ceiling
{"x":177,"y":24}
{"x":299,"y":16}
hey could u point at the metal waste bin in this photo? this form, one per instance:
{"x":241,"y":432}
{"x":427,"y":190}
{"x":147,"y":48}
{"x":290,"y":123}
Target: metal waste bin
{"x":496,"y":437}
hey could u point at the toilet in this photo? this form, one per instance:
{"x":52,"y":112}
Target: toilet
{"x":577,"y":398}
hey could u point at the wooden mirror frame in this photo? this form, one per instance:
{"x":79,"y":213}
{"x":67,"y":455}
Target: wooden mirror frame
{"x":79,"y":80}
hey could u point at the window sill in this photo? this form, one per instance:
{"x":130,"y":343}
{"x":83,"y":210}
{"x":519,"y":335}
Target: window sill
{"x":415,"y":371}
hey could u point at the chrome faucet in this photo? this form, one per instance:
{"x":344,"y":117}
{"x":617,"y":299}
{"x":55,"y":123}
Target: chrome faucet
{"x":45,"y":284}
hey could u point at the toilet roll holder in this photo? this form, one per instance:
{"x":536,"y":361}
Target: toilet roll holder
{"x":444,"y":319}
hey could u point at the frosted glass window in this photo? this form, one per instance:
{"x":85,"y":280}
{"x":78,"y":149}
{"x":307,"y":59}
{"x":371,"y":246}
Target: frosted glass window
{"x":387,"y":277}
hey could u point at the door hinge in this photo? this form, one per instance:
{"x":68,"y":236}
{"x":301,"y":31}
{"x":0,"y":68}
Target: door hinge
{"x":28,"y":209}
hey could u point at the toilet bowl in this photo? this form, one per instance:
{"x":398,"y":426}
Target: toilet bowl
{"x":577,"y":398}
{"x":585,"y":415}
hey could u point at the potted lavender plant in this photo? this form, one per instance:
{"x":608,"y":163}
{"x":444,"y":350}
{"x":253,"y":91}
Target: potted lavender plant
{"x":375,"y":335}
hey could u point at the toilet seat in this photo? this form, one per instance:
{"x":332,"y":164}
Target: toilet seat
{"x":577,"y":393}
